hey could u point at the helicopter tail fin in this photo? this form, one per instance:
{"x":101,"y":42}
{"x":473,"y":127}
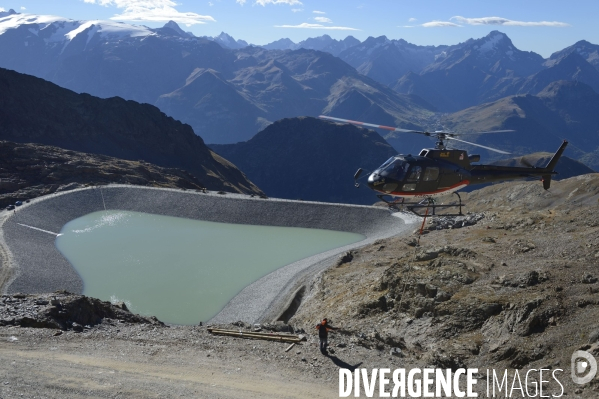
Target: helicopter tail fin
{"x":551,"y":165}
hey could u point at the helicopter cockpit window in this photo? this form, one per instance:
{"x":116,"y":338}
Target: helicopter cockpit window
{"x":387,"y":162}
{"x":431,"y":174}
{"x":415,"y":173}
{"x":394,"y":170}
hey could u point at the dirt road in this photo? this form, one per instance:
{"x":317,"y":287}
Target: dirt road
{"x":138,"y":362}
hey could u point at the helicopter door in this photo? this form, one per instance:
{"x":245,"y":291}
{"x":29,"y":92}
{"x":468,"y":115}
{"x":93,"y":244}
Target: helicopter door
{"x":430,"y":179}
{"x":449,"y":178}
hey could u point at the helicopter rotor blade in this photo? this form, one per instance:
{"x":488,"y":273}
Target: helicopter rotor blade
{"x":478,"y":145}
{"x":490,"y":131}
{"x":393,"y":129}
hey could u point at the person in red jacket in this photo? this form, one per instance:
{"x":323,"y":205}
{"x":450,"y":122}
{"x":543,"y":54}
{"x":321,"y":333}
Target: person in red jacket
{"x":323,"y":333}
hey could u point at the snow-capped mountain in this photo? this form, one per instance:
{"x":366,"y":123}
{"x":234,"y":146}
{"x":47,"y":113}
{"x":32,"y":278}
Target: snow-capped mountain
{"x":53,"y":29}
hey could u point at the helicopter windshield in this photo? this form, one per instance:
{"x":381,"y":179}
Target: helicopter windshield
{"x":396,"y":169}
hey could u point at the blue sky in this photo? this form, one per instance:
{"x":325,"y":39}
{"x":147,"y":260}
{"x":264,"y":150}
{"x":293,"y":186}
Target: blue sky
{"x":540,"y":26}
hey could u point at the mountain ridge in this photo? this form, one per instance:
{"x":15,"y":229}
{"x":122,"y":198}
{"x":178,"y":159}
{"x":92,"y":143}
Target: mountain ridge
{"x":34,"y":110}
{"x":154,"y":67}
{"x":562,"y":110}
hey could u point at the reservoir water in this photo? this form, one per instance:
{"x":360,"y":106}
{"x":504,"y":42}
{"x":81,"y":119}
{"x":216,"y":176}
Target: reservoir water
{"x":180,"y":270}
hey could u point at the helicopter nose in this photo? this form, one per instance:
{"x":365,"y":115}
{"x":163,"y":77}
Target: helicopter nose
{"x":381,"y":184}
{"x":374,"y":180}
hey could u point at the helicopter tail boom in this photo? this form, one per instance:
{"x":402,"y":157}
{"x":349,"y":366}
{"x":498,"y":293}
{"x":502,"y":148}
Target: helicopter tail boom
{"x":551,"y":165}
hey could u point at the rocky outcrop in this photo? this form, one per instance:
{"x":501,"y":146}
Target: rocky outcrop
{"x":32,"y":170}
{"x":64,"y":311}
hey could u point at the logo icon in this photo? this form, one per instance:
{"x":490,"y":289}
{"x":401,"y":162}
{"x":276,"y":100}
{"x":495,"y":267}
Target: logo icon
{"x":584,"y":367}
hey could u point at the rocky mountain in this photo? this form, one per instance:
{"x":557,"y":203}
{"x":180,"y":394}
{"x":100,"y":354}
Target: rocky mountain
{"x":173,"y":26}
{"x":225,"y":95}
{"x":35,"y":111}
{"x":472,"y":73}
{"x":7,"y":13}
{"x":379,"y":58}
{"x":588,"y":51}
{"x":230,"y":104}
{"x":453,"y":77}
{"x":572,"y":67}
{"x":32,"y":170}
{"x":327,"y":44}
{"x":310,"y":159}
{"x":322,"y":43}
{"x":562,"y":110}
{"x":281,"y":44}
{"x":227,"y":41}
{"x":386,"y":61}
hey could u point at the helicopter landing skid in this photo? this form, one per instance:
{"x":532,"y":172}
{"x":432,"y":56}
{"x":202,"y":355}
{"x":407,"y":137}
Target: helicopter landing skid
{"x":399,"y":204}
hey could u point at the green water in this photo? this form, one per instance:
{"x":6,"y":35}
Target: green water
{"x":182,"y":271}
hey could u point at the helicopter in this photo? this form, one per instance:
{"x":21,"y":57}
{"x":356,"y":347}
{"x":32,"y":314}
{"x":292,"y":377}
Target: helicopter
{"x":439,"y":171}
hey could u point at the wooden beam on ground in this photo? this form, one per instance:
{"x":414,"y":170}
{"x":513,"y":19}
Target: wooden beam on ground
{"x":291,"y":338}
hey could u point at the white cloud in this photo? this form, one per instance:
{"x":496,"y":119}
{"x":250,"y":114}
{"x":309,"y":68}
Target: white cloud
{"x":412,"y":20}
{"x":297,"y":9}
{"x":315,"y":26}
{"x":23,"y":8}
{"x":210,"y":3}
{"x":152,"y":10}
{"x":318,"y":12}
{"x":290,"y":2}
{"x":506,"y":22}
{"x":440,"y":24}
{"x":2,"y":9}
{"x":323,"y":20}
{"x":242,"y":2}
